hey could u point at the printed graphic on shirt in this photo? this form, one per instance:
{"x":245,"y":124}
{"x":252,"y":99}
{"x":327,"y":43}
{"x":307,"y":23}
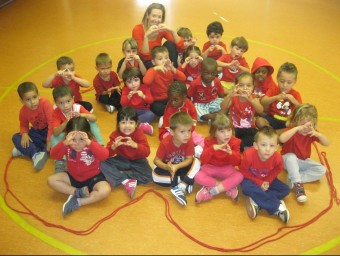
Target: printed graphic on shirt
{"x":259,"y":173}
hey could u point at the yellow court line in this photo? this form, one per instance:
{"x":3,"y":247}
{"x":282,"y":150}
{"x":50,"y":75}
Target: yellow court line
{"x":56,"y":243}
{"x":35,"y":232}
{"x":323,"y":247}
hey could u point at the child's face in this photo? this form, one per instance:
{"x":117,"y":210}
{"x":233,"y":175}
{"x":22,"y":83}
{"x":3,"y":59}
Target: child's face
{"x":155,"y":17}
{"x":176,"y":100}
{"x":129,"y":53}
{"x":127,"y":126}
{"x":194,"y":59}
{"x":214,"y":38}
{"x":65,"y":104}
{"x":67,"y":71}
{"x":236,"y":52}
{"x":31,"y":100}
{"x":308,"y":126}
{"x":208,"y":74}
{"x":133,"y":83}
{"x":181,"y":134}
{"x":78,"y":142}
{"x":245,"y":85}
{"x":104,"y":70}
{"x":286,"y":81}
{"x":266,"y":146}
{"x":160,"y":59}
{"x":261,"y":74}
{"x":187,"y":42}
{"x":223,"y":135}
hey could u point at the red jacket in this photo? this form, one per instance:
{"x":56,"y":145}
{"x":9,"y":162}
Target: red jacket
{"x":261,"y":88}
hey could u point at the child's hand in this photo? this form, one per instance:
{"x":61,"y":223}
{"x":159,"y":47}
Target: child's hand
{"x":218,"y":47}
{"x":140,"y":94}
{"x":118,"y":89}
{"x":161,"y":68}
{"x":211,"y":48}
{"x":125,"y":141}
{"x":187,"y":60}
{"x":84,"y":137}
{"x":25,"y":140}
{"x":69,"y":138}
{"x":265,"y":186}
{"x":169,"y":66}
{"x":223,"y":147}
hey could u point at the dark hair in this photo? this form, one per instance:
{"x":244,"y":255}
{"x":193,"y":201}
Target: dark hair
{"x":177,"y":87}
{"x":209,"y":62}
{"x":180,"y":118}
{"x":63,"y":60}
{"x":288,"y":68}
{"x":103,"y":58}
{"x":131,"y":72}
{"x":192,"y":48}
{"x":26,"y":87}
{"x":158,"y":49}
{"x":126,"y":113}
{"x":220,"y":122}
{"x":79,"y":123}
{"x":240,"y":42}
{"x":266,"y":131}
{"x":61,"y":91}
{"x":215,"y":27}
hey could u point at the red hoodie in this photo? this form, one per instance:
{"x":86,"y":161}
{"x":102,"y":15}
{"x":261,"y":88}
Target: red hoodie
{"x":262,"y":87}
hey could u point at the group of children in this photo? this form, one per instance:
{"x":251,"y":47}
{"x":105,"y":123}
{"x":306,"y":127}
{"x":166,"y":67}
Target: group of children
{"x":248,"y":114}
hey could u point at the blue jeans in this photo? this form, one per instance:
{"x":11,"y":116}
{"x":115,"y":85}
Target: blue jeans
{"x":37,"y":144}
{"x":268,"y":200}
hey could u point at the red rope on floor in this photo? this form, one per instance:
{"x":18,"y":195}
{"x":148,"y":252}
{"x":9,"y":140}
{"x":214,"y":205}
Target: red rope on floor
{"x":280,"y":233}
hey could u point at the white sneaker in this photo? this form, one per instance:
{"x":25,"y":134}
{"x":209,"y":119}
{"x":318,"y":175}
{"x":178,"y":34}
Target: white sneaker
{"x":110,"y":108}
{"x":16,"y":152}
{"x":39,"y":160}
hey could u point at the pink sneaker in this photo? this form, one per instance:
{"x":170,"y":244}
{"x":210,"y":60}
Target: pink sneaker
{"x":146,"y":128}
{"x":130,"y":187}
{"x":233,"y":193}
{"x":203,"y":195}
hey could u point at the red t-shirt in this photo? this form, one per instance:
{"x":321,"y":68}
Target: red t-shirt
{"x":59,"y":117}
{"x":159,"y":82}
{"x":242,"y":113}
{"x":167,"y":151}
{"x":283,"y":108}
{"x":40,"y":118}
{"x":220,"y":157}
{"x":188,"y":107}
{"x":258,"y":171}
{"x":191,"y":72}
{"x":138,"y":34}
{"x":136,"y":101}
{"x":142,"y":151}
{"x":215,"y":54}
{"x":299,"y":144}
{"x":81,"y":165}
{"x":205,"y":94}
{"x":228,"y":74}
{"x":75,"y":87}
{"x":101,"y":85}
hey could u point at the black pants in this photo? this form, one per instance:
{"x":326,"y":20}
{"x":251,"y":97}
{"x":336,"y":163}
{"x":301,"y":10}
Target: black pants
{"x":113,"y":100}
{"x":246,"y":135}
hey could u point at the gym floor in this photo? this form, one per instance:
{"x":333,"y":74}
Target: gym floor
{"x":35,"y":33}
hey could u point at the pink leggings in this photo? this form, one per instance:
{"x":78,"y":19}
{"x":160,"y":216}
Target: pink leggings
{"x":228,"y":174}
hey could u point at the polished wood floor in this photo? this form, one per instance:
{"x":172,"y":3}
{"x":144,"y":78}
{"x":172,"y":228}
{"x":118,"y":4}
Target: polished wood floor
{"x":34,"y":33}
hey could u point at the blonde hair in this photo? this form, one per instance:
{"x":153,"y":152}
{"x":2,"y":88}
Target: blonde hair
{"x":149,"y":10}
{"x":220,"y":122}
{"x":305,"y":111}
{"x":130,"y":41}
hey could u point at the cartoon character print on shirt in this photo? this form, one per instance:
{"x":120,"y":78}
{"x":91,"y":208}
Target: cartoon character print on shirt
{"x":259,"y":173}
{"x":176,"y":157}
{"x":86,"y":156}
{"x":284,"y":108}
{"x":243,"y":118}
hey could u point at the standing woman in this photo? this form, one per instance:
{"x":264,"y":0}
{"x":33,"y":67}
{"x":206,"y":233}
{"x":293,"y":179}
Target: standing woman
{"x":150,"y":33}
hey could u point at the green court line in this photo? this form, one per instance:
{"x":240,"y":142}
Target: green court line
{"x":35,"y":232}
{"x":56,"y":243}
{"x":323,"y":247}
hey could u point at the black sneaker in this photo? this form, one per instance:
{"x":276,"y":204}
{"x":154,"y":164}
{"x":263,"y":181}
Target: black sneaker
{"x":70,"y":205}
{"x":179,"y":194}
{"x":283,"y":212}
